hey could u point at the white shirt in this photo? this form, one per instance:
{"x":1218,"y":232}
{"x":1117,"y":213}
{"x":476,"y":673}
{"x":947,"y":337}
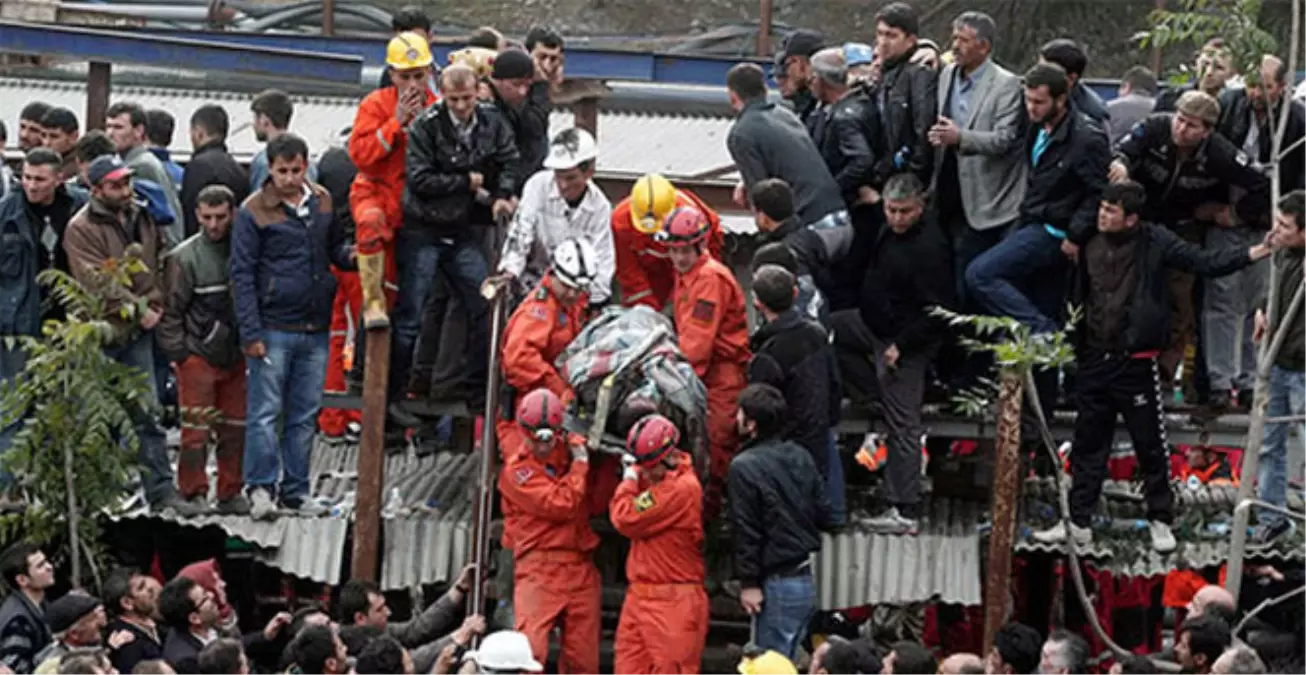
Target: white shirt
{"x":544,"y":220}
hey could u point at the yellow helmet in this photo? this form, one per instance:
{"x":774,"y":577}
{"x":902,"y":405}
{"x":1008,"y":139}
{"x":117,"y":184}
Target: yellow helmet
{"x":479,"y":59}
{"x":407,"y":51}
{"x":651,"y":201}
{"x":769,"y":662}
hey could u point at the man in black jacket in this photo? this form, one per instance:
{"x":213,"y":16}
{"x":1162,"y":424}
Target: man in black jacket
{"x":132,"y":600}
{"x":1022,"y":277}
{"x":522,"y":96}
{"x":1187,"y":171}
{"x":773,"y":212}
{"x":462,"y":167}
{"x":191,"y":613}
{"x":210,"y":163}
{"x":910,"y":274}
{"x":23,"y":632}
{"x":767,"y":141}
{"x":792,"y":353}
{"x":906,"y":96}
{"x":1070,"y":56}
{"x":1120,"y":282}
{"x":793,"y":72}
{"x":779,"y":508}
{"x":1245,"y":120}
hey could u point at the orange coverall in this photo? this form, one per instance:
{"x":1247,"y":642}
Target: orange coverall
{"x":664,"y":620}
{"x":644,"y":273}
{"x":713,"y":327}
{"x":546,"y":525}
{"x":376,"y":147}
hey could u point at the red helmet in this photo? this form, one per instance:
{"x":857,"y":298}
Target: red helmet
{"x":652,"y":438}
{"x":685,"y":226}
{"x":540,"y":413}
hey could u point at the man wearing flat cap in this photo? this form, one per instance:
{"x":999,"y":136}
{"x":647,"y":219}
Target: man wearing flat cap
{"x":76,"y":621}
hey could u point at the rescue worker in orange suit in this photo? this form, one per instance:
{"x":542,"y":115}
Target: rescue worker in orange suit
{"x":377,"y":145}
{"x":546,"y":525}
{"x":644,"y":272}
{"x":548,"y":319}
{"x":537,"y":332}
{"x":712,"y":323}
{"x":658,"y":506}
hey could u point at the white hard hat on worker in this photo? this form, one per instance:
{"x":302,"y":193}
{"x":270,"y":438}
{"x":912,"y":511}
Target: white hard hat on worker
{"x":572,"y":156}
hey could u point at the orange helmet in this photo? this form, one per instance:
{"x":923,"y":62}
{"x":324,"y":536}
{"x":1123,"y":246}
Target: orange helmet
{"x":540,"y":414}
{"x":651,"y":439}
{"x":685,"y":226}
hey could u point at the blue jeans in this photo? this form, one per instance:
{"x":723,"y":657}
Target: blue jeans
{"x":788,"y":604}
{"x":1287,"y":397}
{"x":1022,"y":277}
{"x":419,"y":255}
{"x":288,"y":381}
{"x":834,"y":476}
{"x":12,"y":362}
{"x":156,"y":470}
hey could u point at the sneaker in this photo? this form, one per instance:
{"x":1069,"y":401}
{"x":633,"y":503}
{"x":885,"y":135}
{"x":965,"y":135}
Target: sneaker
{"x":353,"y":432}
{"x":1265,"y":534}
{"x":200,"y":503}
{"x":261,"y":506}
{"x":1162,"y":538}
{"x":236,"y":506}
{"x":892,"y":522}
{"x":178,"y":506}
{"x":307,"y":508}
{"x":1220,"y":402}
{"x":1245,"y":399}
{"x":1057,"y":535}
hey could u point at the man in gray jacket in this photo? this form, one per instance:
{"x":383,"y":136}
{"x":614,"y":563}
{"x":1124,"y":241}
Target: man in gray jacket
{"x":979,"y":176}
{"x":768,"y":141}
{"x":125,"y":125}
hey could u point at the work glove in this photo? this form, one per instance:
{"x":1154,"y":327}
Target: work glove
{"x":578,"y":452}
{"x":628,"y":469}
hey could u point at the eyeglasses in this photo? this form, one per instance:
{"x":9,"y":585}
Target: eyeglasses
{"x":544,"y":435}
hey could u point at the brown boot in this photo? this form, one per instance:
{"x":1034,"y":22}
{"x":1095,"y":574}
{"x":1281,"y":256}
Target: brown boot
{"x":371,"y":275}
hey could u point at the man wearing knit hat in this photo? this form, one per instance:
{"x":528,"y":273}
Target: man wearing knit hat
{"x":76,"y":620}
{"x":524,"y":100}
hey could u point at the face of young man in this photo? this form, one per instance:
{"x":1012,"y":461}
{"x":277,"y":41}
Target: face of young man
{"x":683,"y":257}
{"x":40,"y":183}
{"x":58,"y":140}
{"x":1188,"y":132}
{"x":891,"y":43}
{"x":29,"y":134}
{"x":1041,"y":105}
{"x":40,"y":573}
{"x":288,"y":176}
{"x":460,"y":100}
{"x":1111,"y":218}
{"x":122,"y":133}
{"x":572,"y":182}
{"x":115,"y":194}
{"x":216,"y":220}
{"x":1287,"y":233}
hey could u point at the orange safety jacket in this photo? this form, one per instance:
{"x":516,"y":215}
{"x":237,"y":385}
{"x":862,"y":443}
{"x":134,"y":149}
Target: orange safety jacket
{"x":644,"y":272}
{"x":664,"y":522}
{"x":377,"y":145}
{"x":543,"y":501}
{"x":538,"y":331}
{"x":711,"y":318}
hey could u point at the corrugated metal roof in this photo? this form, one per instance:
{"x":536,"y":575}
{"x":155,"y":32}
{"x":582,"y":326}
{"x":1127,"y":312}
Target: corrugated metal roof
{"x":856,"y":567}
{"x":425,"y":542}
{"x":633,"y":143}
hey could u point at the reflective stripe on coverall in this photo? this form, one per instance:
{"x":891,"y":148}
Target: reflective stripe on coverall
{"x":664,"y":619}
{"x":546,"y":525}
{"x":644,"y":272}
{"x":712,"y":323}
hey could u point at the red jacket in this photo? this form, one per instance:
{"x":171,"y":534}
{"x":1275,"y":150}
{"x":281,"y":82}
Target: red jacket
{"x":710,"y":316}
{"x":537,"y":332}
{"x":644,"y":272}
{"x":664,"y":522}
{"x":543,"y":501}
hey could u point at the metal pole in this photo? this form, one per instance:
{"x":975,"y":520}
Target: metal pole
{"x":371,"y":457}
{"x":1006,"y":490}
{"x":97,"y":94}
{"x":587,"y":115}
{"x":764,"y":29}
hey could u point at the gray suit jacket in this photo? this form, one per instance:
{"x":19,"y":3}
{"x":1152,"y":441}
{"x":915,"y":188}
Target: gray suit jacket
{"x":990,"y":155}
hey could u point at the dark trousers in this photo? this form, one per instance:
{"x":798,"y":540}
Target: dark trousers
{"x":1107,"y":386}
{"x":842,"y":282}
{"x":853,"y":351}
{"x":902,"y":391}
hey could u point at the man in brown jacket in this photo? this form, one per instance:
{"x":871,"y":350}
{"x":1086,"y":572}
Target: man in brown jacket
{"x":103,"y":230}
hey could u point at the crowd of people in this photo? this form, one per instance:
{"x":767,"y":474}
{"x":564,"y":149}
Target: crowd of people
{"x":889,"y":181}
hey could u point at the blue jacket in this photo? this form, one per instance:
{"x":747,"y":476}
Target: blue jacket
{"x":23,"y":256}
{"x":174,"y":169}
{"x":281,"y":261}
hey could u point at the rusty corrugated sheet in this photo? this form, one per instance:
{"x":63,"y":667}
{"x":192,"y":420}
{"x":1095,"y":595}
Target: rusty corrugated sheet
{"x":856,"y":567}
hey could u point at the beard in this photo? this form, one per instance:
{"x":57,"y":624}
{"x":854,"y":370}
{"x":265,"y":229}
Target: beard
{"x":115,"y":204}
{"x":260,"y":136}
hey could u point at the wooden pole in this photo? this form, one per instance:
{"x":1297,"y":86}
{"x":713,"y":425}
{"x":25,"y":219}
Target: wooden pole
{"x":587,"y":115}
{"x":1006,"y":490}
{"x":1156,"y":48}
{"x":328,"y":17}
{"x":97,"y":94}
{"x":371,"y":457}
{"x":764,"y":29}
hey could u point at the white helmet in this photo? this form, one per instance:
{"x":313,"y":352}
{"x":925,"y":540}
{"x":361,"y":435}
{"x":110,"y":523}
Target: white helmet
{"x":575,"y":263}
{"x":570,"y":148}
{"x":505,"y":651}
